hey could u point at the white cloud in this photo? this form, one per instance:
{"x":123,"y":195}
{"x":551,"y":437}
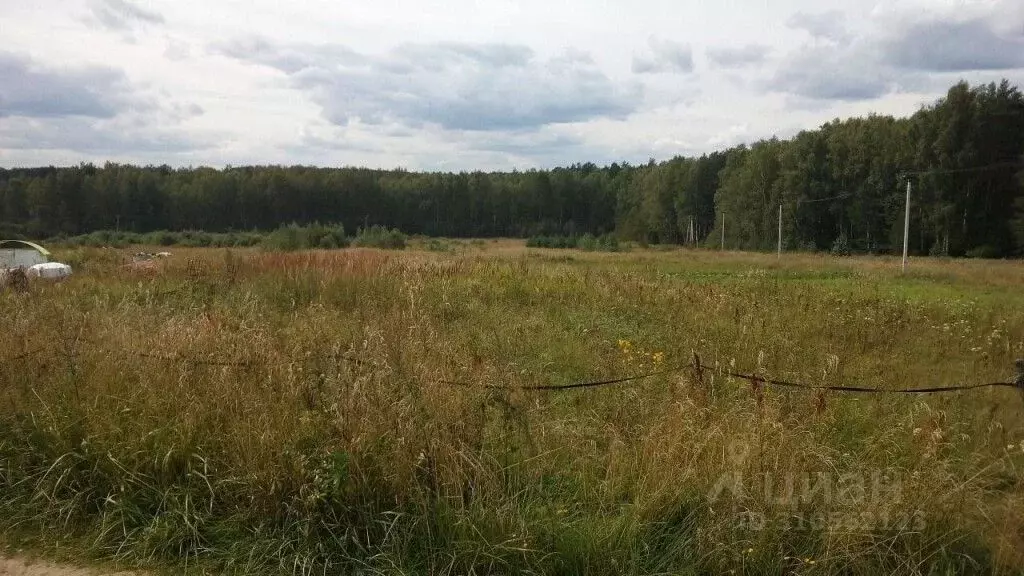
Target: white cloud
{"x":828,"y":25}
{"x":458,"y":86}
{"x":122,"y":17}
{"x":899,"y":50}
{"x":441,"y":84}
{"x":739,"y":56}
{"x":665,"y":56}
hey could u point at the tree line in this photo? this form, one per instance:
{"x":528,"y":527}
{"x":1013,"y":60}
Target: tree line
{"x":842,"y":184}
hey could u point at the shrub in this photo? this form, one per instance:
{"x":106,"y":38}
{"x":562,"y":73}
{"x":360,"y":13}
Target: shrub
{"x":841,"y":247}
{"x":938,"y":249}
{"x":162,"y":238}
{"x":608,"y":243}
{"x":321,"y":236}
{"x":435,"y":245}
{"x":588,"y":242}
{"x":290,"y":237}
{"x":983,"y":251}
{"x":551,"y":242}
{"x":197,"y":239}
{"x":380,"y":237}
{"x":14,"y":279}
{"x":285,"y":238}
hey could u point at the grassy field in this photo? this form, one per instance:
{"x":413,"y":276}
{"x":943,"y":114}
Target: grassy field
{"x":343,"y":412}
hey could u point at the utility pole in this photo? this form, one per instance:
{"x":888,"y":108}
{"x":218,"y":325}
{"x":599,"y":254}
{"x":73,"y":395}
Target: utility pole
{"x":906,"y":227}
{"x":780,"y":231}
{"x":723,"y":231}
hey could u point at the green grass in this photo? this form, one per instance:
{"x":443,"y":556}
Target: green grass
{"x":293,"y":413}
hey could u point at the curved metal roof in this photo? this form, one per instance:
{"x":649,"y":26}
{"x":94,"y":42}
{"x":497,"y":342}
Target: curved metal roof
{"x":9,"y":244}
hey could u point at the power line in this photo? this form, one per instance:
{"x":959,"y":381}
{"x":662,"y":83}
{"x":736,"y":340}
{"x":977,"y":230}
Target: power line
{"x":802,"y":201}
{"x":959,"y":170}
{"x":923,"y":172}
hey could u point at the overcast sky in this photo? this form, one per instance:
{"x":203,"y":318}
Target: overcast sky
{"x":470,"y":84}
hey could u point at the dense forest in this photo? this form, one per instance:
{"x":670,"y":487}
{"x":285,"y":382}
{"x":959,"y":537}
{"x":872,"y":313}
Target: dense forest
{"x":840,"y":185}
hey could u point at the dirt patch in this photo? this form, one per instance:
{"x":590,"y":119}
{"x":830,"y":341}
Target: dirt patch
{"x":25,"y":567}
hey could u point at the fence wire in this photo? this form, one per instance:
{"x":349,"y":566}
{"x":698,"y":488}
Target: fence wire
{"x":696,"y":366}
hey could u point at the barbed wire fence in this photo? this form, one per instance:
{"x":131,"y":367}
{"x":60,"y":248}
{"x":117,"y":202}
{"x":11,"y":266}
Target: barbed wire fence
{"x":695,"y":366}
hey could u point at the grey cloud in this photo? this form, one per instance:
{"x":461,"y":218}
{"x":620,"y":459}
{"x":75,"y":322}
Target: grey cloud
{"x":574,"y":55}
{"x":528,"y":145}
{"x":457,"y":86}
{"x":32,"y":91}
{"x":828,"y":25}
{"x":177,"y":112}
{"x":89,"y":135}
{"x":177,"y":50}
{"x":738,"y":57}
{"x":830,"y":73}
{"x":954,"y":46}
{"x":894,"y":56}
{"x":439,"y":56}
{"x":449,"y":149}
{"x":326,"y":136}
{"x":543,"y":148}
{"x":121,"y":15}
{"x":666,"y":56}
{"x":310,"y":141}
{"x":548,"y":147}
{"x":92,"y":109}
{"x":288,"y":59}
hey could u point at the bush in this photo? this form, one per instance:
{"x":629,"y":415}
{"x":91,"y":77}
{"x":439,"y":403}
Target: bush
{"x":285,"y":238}
{"x":551,"y":242}
{"x":938,"y":249}
{"x":327,"y":237}
{"x":162,"y":238}
{"x":197,"y":239}
{"x":14,"y":279}
{"x":565,"y":242}
{"x":247,"y":239}
{"x":538,"y":242}
{"x":983,"y":251}
{"x":290,"y":237}
{"x":608,"y":243}
{"x":295,"y":237}
{"x":436,"y":245}
{"x":380,"y":237}
{"x":588,"y":242}
{"x":841,"y":247}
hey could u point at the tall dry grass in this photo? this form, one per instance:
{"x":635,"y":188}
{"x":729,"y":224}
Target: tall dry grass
{"x":296,"y":413}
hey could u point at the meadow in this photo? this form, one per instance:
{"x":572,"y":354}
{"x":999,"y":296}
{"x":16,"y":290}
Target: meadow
{"x":364,"y":411}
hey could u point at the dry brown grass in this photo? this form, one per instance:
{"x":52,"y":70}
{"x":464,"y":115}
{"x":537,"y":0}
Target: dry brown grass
{"x":280,"y":412}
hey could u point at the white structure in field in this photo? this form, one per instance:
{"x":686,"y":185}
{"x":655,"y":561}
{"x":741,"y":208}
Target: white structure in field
{"x":21,"y":254}
{"x":49,"y":270}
